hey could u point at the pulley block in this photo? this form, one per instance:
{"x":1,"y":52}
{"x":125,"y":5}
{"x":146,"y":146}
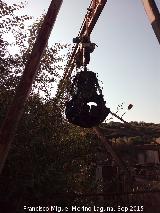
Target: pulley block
{"x":86,"y":47}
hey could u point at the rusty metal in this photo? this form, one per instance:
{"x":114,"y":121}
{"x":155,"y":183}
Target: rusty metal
{"x":153,"y":16}
{"x":110,"y":149}
{"x":15,"y":111}
{"x":93,"y":13}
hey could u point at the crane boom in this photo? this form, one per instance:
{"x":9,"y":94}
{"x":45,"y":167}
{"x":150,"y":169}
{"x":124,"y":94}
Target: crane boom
{"x":91,"y":17}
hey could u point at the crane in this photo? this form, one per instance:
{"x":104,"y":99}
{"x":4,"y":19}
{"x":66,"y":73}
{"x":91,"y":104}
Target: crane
{"x":14,"y":113}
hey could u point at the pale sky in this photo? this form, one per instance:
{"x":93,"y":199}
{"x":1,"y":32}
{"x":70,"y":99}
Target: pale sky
{"x":127,"y":56}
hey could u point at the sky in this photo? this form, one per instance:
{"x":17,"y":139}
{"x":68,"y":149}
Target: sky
{"x":127,"y":56}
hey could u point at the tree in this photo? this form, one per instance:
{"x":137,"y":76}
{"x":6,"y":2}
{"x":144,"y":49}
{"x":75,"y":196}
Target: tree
{"x":12,"y":65}
{"x":49,"y":157}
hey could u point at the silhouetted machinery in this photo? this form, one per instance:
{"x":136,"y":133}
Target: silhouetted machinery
{"x":87,"y":106}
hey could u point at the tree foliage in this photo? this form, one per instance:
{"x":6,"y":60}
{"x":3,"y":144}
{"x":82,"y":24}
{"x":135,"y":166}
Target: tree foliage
{"x":22,"y":40}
